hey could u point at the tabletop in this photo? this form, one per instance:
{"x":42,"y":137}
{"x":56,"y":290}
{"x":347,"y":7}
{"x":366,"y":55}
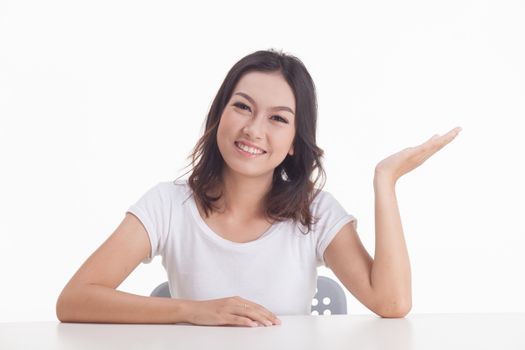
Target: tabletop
{"x":416,"y":331}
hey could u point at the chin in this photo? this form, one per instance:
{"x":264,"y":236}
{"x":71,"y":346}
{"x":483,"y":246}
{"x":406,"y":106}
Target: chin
{"x":248,"y":171}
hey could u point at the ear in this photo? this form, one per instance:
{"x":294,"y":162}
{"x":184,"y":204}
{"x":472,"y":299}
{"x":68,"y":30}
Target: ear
{"x":290,"y":152}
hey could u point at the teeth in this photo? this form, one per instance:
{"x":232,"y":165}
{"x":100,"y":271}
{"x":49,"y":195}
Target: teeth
{"x":248,"y":149}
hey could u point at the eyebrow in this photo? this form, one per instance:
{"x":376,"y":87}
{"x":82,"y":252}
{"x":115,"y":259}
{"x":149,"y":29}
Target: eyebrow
{"x":283,"y":108}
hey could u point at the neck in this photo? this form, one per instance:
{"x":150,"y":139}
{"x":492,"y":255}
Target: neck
{"x":244,"y":196}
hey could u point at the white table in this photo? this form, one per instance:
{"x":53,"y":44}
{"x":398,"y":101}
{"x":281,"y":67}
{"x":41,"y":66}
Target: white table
{"x":416,"y":331}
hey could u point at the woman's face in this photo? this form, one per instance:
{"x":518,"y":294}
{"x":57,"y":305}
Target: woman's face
{"x":257,"y":126}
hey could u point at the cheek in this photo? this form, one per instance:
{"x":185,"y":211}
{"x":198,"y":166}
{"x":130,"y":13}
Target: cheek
{"x":283,"y":141}
{"x":224,"y":126}
{"x":227,"y":131}
{"x":228,"y":123}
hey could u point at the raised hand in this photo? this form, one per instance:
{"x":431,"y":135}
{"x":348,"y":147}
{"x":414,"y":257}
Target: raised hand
{"x":398,"y":164}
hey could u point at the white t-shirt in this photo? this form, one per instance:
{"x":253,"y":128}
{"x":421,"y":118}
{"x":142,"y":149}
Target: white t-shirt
{"x":278,"y":270}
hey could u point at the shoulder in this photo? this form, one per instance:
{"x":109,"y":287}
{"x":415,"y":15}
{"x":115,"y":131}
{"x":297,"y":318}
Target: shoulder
{"x":170,"y":191}
{"x":323,"y":201}
{"x":328,"y":213}
{"x":178,"y":189}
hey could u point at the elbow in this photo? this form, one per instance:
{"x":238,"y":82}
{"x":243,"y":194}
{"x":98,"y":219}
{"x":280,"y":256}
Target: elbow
{"x":396,"y":309}
{"x":60,"y":310}
{"x":63,"y":307}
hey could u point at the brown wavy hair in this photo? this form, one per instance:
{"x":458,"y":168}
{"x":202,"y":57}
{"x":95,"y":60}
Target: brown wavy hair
{"x":299,"y":178}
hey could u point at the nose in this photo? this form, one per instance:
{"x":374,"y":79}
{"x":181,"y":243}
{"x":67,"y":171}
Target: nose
{"x":254,"y":128}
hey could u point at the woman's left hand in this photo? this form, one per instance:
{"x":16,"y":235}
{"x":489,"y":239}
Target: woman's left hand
{"x":398,"y":164}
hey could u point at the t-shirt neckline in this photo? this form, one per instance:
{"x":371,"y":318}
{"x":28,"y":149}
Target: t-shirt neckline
{"x":215,"y":236}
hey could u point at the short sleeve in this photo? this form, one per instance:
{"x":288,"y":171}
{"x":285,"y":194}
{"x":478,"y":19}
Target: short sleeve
{"x":153,"y":210}
{"x":331,"y":218}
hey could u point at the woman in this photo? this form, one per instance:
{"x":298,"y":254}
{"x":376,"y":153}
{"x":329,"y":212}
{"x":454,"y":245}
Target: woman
{"x":242,"y":238}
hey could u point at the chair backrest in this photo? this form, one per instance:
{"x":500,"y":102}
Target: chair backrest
{"x":329,"y":297}
{"x":162,"y":290}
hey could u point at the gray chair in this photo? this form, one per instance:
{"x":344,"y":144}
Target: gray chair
{"x":329,"y":298}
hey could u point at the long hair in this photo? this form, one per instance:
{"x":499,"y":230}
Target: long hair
{"x":299,"y":178}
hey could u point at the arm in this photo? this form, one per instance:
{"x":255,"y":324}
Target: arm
{"x":390,"y":279}
{"x":91,"y":295}
{"x":382,"y":284}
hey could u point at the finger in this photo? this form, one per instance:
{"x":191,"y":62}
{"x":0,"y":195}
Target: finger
{"x":455,"y":132}
{"x":247,"y":303}
{"x":427,"y":144}
{"x":436,"y":142}
{"x":457,"y":129}
{"x":452,"y":133}
{"x":236,"y":320}
{"x":258,"y":313}
{"x":267,"y":313}
{"x":257,"y":307}
{"x":447,"y":138}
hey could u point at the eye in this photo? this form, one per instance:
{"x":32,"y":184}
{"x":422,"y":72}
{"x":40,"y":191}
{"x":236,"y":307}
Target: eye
{"x":242,"y":106}
{"x":279,"y":119}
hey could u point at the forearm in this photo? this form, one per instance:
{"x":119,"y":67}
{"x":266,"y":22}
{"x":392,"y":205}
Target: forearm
{"x":390,"y":274}
{"x":99,"y":304}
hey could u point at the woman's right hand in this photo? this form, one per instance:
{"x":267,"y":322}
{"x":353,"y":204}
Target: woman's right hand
{"x":233,"y":311}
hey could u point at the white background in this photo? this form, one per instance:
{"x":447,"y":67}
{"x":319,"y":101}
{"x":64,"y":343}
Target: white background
{"x":101,"y":100}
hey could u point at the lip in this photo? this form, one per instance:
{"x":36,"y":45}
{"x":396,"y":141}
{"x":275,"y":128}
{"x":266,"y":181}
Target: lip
{"x":247,"y":154}
{"x":249,"y":144}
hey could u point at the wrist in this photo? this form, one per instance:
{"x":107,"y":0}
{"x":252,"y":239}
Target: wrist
{"x":182,"y":310}
{"x":382,"y":178}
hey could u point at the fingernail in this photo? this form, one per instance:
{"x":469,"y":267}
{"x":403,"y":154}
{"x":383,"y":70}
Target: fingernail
{"x":254,"y":324}
{"x":268,"y":323}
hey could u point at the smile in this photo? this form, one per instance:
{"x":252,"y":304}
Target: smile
{"x":247,"y":150}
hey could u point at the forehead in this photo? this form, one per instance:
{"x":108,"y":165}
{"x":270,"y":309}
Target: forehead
{"x":270,"y":89}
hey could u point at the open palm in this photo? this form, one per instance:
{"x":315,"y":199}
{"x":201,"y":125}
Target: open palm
{"x":398,"y":164}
